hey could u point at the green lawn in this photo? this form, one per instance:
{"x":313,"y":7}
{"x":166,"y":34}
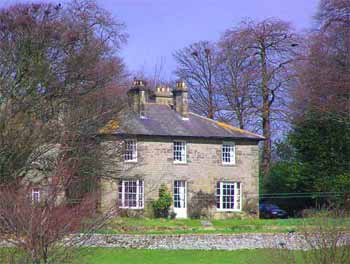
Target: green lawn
{"x":194,"y":226}
{"x":135,"y":256}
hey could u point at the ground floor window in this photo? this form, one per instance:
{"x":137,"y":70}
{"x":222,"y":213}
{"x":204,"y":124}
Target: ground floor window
{"x":131,"y":194}
{"x":228,"y":196}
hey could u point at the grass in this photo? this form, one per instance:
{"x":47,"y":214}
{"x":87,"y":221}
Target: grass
{"x":138,"y":256}
{"x":194,"y":226}
{"x":160,"y":256}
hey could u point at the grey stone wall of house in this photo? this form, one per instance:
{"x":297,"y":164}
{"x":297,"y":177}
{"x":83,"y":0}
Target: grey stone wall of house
{"x":202,"y":171}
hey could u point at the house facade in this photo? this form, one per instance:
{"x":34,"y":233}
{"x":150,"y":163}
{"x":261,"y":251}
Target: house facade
{"x":211,"y":168}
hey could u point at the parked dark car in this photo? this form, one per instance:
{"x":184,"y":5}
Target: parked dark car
{"x":271,"y":211}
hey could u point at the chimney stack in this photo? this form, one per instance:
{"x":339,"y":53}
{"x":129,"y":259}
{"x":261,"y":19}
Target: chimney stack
{"x":164,"y":95}
{"x":138,"y":96}
{"x":181,"y":99}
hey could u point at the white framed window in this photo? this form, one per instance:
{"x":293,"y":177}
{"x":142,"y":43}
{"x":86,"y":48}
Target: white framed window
{"x":35,"y":195}
{"x":130,"y":150}
{"x":179,"y":152}
{"x":228,"y":196}
{"x":229,"y":153}
{"x":131,"y":194}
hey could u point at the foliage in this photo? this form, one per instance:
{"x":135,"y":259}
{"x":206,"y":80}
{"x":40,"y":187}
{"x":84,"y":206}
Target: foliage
{"x":323,"y":70}
{"x":54,"y":60}
{"x":162,"y":205}
{"x":200,"y":204}
{"x":59,"y":68}
{"x":313,"y":158}
{"x":322,"y":147}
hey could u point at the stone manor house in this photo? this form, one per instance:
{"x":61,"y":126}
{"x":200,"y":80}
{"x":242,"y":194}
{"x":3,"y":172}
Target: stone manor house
{"x":210,"y":167}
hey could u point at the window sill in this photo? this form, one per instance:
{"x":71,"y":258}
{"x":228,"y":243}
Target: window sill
{"x":130,"y":161}
{"x":131,"y":208}
{"x":228,"y":210}
{"x":229,"y":164}
{"x":180,"y":162}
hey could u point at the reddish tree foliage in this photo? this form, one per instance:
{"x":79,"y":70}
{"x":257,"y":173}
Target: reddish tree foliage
{"x":324,"y":69}
{"x":59,"y":67}
{"x":38,"y":229}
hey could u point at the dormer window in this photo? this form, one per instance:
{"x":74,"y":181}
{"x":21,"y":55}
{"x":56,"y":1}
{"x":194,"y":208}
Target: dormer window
{"x":179,"y":152}
{"x":228,"y":153}
{"x":130,"y":150}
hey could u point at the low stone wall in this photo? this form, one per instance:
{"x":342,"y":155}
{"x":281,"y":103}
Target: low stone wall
{"x":292,"y":241}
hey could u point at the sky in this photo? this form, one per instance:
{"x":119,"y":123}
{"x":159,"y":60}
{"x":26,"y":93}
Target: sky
{"x":157,"y":28}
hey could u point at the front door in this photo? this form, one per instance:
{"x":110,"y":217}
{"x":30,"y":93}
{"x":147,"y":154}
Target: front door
{"x":180,"y":199}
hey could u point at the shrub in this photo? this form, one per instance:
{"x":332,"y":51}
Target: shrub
{"x":172,"y":215}
{"x":200,"y":205}
{"x":162,"y":205}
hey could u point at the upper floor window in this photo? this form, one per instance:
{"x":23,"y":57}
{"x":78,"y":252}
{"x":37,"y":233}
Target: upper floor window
{"x":131,"y":194}
{"x":228,"y":196}
{"x":35,"y":195}
{"x":130,"y":150}
{"x":179,"y":151}
{"x":228,"y":153}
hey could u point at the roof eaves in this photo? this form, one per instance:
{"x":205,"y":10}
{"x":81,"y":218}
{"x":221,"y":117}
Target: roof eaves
{"x":124,"y":134}
{"x":229,"y":127}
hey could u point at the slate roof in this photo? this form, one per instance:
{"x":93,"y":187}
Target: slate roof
{"x":162,"y":120}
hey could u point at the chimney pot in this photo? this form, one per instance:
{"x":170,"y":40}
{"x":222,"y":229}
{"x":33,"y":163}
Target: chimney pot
{"x":139,"y":83}
{"x":163,"y":95}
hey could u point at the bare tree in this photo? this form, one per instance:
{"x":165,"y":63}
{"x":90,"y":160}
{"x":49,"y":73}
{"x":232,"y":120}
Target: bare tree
{"x":236,"y":79}
{"x":197,"y":65}
{"x":154,"y":78}
{"x":271,"y":45}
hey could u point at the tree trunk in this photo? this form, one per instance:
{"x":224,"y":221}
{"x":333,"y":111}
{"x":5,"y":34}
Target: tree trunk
{"x":266,"y":122}
{"x":210,"y":103}
{"x":240,"y":120}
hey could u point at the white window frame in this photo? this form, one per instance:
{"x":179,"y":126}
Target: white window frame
{"x":134,"y":150}
{"x":237,"y":196}
{"x":176,"y":194}
{"x":140,"y":194}
{"x":232,"y":153}
{"x":36,"y":195}
{"x":183,"y":153}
